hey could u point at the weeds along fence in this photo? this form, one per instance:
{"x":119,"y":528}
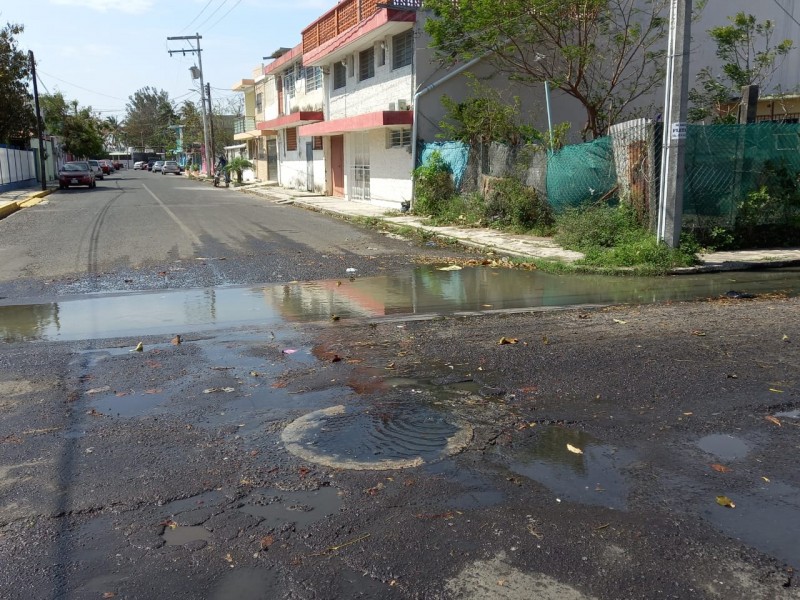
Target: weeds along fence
{"x":724,"y":164}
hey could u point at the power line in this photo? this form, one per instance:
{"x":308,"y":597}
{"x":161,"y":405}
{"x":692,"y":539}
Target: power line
{"x":225,"y":15}
{"x":198,"y":15}
{"x":224,"y":2}
{"x":788,"y":14}
{"x":81,"y":88}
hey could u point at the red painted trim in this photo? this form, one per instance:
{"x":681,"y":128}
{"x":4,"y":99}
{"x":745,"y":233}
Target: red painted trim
{"x":379,"y":19}
{"x":374,"y":120}
{"x":291,"y":120}
{"x":282,"y":61}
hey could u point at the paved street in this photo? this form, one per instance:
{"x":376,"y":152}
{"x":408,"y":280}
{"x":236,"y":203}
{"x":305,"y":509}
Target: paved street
{"x":289,"y":429}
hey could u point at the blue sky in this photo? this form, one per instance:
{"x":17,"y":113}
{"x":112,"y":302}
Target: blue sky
{"x":99,"y":52}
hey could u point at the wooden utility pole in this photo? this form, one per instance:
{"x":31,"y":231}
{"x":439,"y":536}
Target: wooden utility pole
{"x":670,"y":205}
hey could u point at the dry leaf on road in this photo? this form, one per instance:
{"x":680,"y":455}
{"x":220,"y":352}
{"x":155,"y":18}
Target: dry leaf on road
{"x":725,"y":501}
{"x":772,"y":419}
{"x":573,"y":449}
{"x":720,"y":468}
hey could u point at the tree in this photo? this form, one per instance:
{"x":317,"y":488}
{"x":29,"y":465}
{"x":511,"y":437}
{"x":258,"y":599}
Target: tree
{"x":113,"y":132}
{"x":149,"y":115}
{"x":81,"y":132}
{"x":748,"y":57}
{"x":191,"y":118}
{"x":607,"y":54}
{"x":17,"y":118}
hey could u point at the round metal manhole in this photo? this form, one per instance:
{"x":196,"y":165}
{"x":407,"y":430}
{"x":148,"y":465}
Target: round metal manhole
{"x":375,"y":439}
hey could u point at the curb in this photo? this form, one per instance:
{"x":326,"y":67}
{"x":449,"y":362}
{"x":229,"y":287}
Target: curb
{"x":8,"y":209}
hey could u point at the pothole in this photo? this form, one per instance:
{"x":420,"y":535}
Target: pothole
{"x":396,"y":437}
{"x":724,"y":447}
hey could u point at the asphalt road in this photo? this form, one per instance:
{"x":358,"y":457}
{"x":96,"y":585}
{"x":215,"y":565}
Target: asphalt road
{"x":626,"y":452}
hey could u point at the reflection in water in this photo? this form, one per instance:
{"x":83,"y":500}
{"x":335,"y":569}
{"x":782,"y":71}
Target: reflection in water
{"x":424,"y":290}
{"x":594,"y":477}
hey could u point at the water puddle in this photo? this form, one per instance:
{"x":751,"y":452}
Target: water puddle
{"x":246,"y":584}
{"x":277,"y":507}
{"x":185,"y":535}
{"x":594,"y":477}
{"x":476,"y":490}
{"x":724,"y":447}
{"x":201,"y":500}
{"x":135,"y":404}
{"x":422,"y":291}
{"x":767,"y":518}
{"x":385,"y":436}
{"x":789,"y":414}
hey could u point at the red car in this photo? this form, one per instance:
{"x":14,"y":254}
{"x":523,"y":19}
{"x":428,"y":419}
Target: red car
{"x":107,"y":167}
{"x":76,"y":173}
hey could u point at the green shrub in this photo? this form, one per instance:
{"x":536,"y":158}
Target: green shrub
{"x":596,"y":226}
{"x":511,"y":204}
{"x":433,"y":187}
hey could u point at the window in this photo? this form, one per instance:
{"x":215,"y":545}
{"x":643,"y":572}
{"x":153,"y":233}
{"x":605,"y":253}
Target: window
{"x":259,"y":102}
{"x":399,"y":139}
{"x":402,"y":49}
{"x":317,"y":142}
{"x":381,"y":54}
{"x":351,"y":65}
{"x":366,"y":64}
{"x":291,"y":139}
{"x":339,"y":76}
{"x":288,"y":82}
{"x":313,"y":78}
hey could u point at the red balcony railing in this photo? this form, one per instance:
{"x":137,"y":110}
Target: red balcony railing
{"x":347,"y":14}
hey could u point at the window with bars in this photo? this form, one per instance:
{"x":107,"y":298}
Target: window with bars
{"x":288,"y":82}
{"x":366,"y":64}
{"x":402,"y":49}
{"x":291,"y":139}
{"x":259,"y":102}
{"x":398,"y":139}
{"x":313,"y":78}
{"x":317,"y":142}
{"x":339,"y":75}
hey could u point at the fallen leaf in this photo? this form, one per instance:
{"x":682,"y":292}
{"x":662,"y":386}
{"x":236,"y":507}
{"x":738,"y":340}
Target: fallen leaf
{"x":772,"y":419}
{"x":139,"y":347}
{"x":765,"y":478}
{"x":109,"y":595}
{"x":373,"y":491}
{"x":776,"y":391}
{"x":785,"y":338}
{"x":620,"y":321}
{"x":505,"y":340}
{"x":573,"y":449}
{"x":720,"y":468}
{"x":153,"y":391}
{"x":169,"y":523}
{"x":177,"y":340}
{"x":228,"y":558}
{"x":100,"y":390}
{"x":267,"y":541}
{"x":688,"y":414}
{"x":725,"y":501}
{"x":335,"y":317}
{"x":450,"y":268}
{"x":545,"y":341}
{"x":698,"y":332}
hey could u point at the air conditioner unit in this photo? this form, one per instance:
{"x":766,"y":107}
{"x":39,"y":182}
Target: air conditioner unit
{"x":391,"y":106}
{"x":402,"y":104}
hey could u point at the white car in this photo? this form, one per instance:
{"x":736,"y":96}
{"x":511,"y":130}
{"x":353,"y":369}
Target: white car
{"x":139,"y":164}
{"x":98,"y":170}
{"x":157,"y":166}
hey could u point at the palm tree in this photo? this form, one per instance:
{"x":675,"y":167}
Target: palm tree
{"x":237,"y":165}
{"x":114,"y":130}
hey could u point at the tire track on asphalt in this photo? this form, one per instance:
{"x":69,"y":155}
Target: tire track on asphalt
{"x":94,"y":235}
{"x":185,"y":229}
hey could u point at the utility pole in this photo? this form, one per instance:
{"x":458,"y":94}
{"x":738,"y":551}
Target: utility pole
{"x":42,"y":173}
{"x":210,"y":120}
{"x":197,"y":37}
{"x":670,"y":205}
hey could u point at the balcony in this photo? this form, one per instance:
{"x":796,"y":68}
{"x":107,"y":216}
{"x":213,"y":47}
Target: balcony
{"x":244,"y":124}
{"x":347,"y":14}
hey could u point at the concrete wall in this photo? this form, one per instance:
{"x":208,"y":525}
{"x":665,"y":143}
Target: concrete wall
{"x":389,"y":168}
{"x":293,"y":168}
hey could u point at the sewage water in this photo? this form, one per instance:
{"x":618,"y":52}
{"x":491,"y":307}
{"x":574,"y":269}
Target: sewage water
{"x":419,"y":292}
{"x":594,"y":477}
{"x":184,"y":535}
{"x":724,"y":447}
{"x":302,"y":508}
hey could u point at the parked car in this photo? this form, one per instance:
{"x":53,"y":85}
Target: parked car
{"x":150,"y":164}
{"x":157,"y":166}
{"x":171,"y":166}
{"x":98,"y":170}
{"x":106,"y":165}
{"x":76,"y":173}
{"x":139,"y":165}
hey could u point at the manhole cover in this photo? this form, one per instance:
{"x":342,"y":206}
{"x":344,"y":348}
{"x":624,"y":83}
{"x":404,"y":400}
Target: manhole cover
{"x":397,"y":437}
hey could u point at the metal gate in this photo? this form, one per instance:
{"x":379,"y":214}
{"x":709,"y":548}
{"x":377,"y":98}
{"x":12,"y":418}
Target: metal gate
{"x":359,"y":171}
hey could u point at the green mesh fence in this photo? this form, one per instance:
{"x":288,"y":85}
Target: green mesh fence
{"x":581,"y":174}
{"x":724,"y":163}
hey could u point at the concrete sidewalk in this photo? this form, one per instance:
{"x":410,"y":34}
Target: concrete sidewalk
{"x":487,"y":240}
